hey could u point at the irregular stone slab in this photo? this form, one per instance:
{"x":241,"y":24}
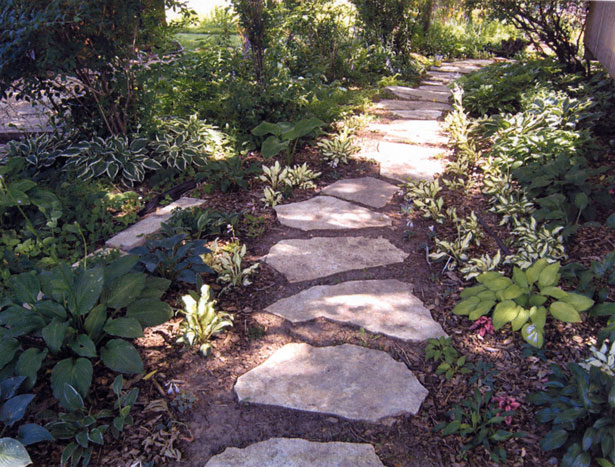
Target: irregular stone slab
{"x":414,"y":131}
{"x":456,"y":68}
{"x":480,"y":62}
{"x":328,"y":213}
{"x":345,"y":380}
{"x":136,"y":235}
{"x":435,"y":87}
{"x":419,"y":94}
{"x":442,"y":76}
{"x":418,"y":114}
{"x":303,"y":260}
{"x":286,"y":452}
{"x":397,"y":104}
{"x":407,"y":161}
{"x":380,"y":306}
{"x":367,"y":190}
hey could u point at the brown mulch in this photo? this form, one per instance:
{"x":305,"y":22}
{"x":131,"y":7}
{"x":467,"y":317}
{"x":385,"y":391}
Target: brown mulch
{"x":189,"y":434}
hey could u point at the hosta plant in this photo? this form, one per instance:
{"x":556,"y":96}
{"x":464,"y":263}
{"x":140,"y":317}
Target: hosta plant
{"x":227,"y":263}
{"x":115,"y":157}
{"x":284,"y":136}
{"x":337,"y":150}
{"x":580,"y":406}
{"x":453,"y":253}
{"x":271,"y":198}
{"x":302,"y":176}
{"x":201,"y":321}
{"x":603,"y":358}
{"x":476,"y":266}
{"x":523,"y":301}
{"x":276,"y":176}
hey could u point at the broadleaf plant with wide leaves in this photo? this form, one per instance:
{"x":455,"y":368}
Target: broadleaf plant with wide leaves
{"x":523,"y":300}
{"x":76,"y":317}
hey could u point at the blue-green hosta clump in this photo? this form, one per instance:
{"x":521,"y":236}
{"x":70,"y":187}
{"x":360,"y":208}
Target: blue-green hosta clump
{"x":523,"y":301}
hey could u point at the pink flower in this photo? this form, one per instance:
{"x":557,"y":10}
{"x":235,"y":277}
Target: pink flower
{"x":508,"y":404}
{"x":484,"y":326}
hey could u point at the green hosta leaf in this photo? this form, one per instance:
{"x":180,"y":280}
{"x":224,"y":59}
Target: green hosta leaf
{"x":124,"y":327}
{"x":481,"y":309}
{"x":564,"y":312}
{"x":511,"y":292}
{"x":534,"y":271}
{"x":54,"y":333}
{"x":521,"y":319}
{"x":13,"y":453}
{"x":149,"y":312}
{"x":8,"y":349}
{"x":487,"y":296}
{"x":504,"y":312}
{"x":500,"y":283}
{"x":466,"y":306}
{"x":554,"y":292}
{"x":96,"y":320}
{"x":83,"y":346}
{"x":604,"y":309}
{"x":266,"y":128}
{"x":533,"y":335}
{"x":25,"y":287}
{"x":124,"y":290}
{"x":121,"y":356}
{"x":610,"y":222}
{"x":554,"y":440}
{"x":581,"y":201}
{"x":489,"y":276}
{"x":549,"y":275}
{"x":272,"y":146}
{"x":120,"y":267}
{"x":472,"y":291}
{"x":73,"y":399}
{"x":538,"y":315}
{"x":87,"y":289}
{"x":29,"y":363}
{"x":75,"y":372}
{"x":578,"y":302}
{"x":520,"y":278}
{"x":302,"y":128}
{"x":537,"y":300}
{"x":14,"y":409}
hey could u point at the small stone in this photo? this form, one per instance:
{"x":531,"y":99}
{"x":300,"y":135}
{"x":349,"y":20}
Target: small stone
{"x":347,"y":380}
{"x":287,"y":452}
{"x":303,"y":260}
{"x":328,"y":213}
{"x":380,"y":306}
{"x":367,"y":190}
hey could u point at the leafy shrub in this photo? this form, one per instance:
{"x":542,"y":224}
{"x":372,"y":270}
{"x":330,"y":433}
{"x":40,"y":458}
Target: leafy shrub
{"x":284,"y":136}
{"x":201,"y":321}
{"x":113,"y":157}
{"x":227,"y":174}
{"x":197,"y":223}
{"x":581,"y":410}
{"x":174,"y":258}
{"x":523,"y":299}
{"x":596,"y":282}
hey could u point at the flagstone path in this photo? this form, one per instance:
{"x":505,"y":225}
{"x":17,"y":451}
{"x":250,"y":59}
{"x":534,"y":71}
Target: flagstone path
{"x":350,"y":381}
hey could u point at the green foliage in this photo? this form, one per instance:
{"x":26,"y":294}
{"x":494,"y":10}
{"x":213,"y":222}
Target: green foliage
{"x":13,"y":453}
{"x":301,"y":176}
{"x":284,"y":136}
{"x":201,"y":321}
{"x":196,"y":223}
{"x":523,"y":298}
{"x":337,"y":149}
{"x":423,"y":195}
{"x":174,"y":258}
{"x":228,"y":174}
{"x":580,"y":406}
{"x":449,"y":361}
{"x":255,"y":225}
{"x":476,"y":421}
{"x":597,"y":282}
{"x":227,"y":263}
{"x":113,"y":157}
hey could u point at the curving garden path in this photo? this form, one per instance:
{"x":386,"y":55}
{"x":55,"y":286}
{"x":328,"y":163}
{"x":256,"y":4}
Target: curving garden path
{"x":351,"y":381}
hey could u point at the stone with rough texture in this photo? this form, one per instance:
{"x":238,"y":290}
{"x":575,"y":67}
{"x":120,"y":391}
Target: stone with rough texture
{"x":136,"y":235}
{"x":454,"y":68}
{"x":407,"y":161}
{"x":429,"y":132}
{"x":418,"y":114}
{"x":286,"y":452}
{"x":328,"y":213}
{"x":403,"y":92}
{"x":380,"y":306}
{"x":398,"y":104}
{"x":438,"y":87}
{"x":303,"y":260}
{"x":442,"y":76}
{"x":367,"y":190}
{"x":346,"y":380}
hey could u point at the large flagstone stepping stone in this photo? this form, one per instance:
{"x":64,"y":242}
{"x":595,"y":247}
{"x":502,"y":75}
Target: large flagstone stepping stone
{"x":347,"y":380}
{"x":380,"y":306}
{"x":397,"y":104}
{"x":419,"y":94}
{"x":435,"y":87}
{"x":328,"y":213}
{"x":294,"y":452}
{"x":367,"y":190}
{"x":413,"y":131}
{"x":443,"y":77}
{"x":136,"y":235}
{"x":303,"y":260}
{"x":418,"y":114}
{"x":455,"y":68}
{"x":407,"y":161}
